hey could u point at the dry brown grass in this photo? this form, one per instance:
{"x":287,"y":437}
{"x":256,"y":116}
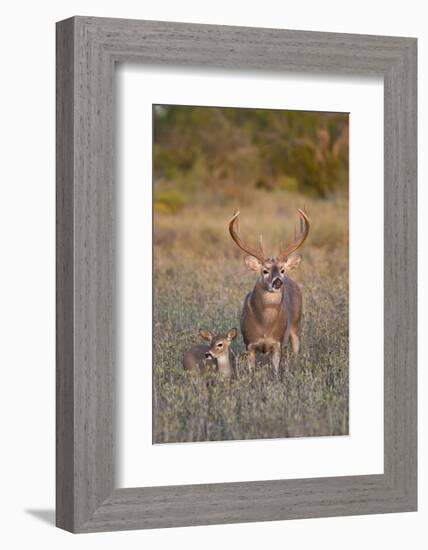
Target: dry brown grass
{"x":201,"y":281}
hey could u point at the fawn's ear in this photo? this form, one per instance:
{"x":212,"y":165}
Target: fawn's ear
{"x":292,"y":262}
{"x":232,"y":334}
{"x":252,"y":263}
{"x":205,"y":334}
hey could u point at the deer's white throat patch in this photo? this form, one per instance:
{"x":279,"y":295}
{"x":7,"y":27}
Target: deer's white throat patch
{"x":272,"y":297}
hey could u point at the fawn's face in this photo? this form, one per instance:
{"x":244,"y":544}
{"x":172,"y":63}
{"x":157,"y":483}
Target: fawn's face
{"x":272,"y":271}
{"x":219,"y":345}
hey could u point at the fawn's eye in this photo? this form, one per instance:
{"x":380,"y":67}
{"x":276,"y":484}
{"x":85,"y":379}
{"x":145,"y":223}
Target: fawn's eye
{"x":265,"y":271}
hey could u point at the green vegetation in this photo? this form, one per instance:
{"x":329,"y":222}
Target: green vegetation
{"x":203,"y":149}
{"x":168,"y":201}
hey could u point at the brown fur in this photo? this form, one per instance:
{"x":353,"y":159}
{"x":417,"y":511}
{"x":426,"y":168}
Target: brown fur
{"x":269,"y":317}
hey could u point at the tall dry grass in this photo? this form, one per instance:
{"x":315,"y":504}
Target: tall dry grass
{"x":200,"y":281}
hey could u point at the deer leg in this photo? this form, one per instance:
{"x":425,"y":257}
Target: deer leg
{"x":251,"y":350}
{"x":276,"y":357}
{"x":295,"y":342}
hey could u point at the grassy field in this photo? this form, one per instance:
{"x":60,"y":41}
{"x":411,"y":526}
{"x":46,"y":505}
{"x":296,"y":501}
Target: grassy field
{"x":201,"y":281}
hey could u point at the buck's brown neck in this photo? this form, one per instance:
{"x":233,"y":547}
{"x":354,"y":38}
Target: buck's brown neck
{"x":263,"y":297}
{"x":266,"y":305}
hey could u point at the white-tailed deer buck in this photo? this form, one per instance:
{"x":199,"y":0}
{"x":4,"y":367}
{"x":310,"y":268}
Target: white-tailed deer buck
{"x":203,"y":357}
{"x":273,"y":309}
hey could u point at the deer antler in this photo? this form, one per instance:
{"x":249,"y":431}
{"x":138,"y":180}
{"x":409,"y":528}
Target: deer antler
{"x":234,"y":233}
{"x":298,"y":240}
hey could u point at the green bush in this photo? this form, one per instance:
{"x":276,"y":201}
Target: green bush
{"x":288,"y":183}
{"x":168,"y":202}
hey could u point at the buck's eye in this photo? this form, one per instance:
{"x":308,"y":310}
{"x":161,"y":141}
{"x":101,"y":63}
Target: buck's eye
{"x":220,"y":345}
{"x":265,"y":271}
{"x":282,"y":271}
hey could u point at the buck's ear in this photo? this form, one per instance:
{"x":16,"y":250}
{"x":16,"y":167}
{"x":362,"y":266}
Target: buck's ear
{"x":232,"y":334}
{"x":205,"y":334}
{"x":252,"y":263}
{"x":292,"y":262}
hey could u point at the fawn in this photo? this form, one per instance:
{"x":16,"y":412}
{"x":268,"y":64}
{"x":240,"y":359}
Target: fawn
{"x":213,"y":356}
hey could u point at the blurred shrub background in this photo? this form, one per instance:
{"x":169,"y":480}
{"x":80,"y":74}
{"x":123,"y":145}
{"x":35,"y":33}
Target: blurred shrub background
{"x":198,"y":150}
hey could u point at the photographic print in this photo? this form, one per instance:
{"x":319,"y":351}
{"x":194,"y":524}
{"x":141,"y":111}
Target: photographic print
{"x":250,"y":274}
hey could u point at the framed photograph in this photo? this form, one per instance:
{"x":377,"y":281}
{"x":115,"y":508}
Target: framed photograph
{"x":236,"y":274}
{"x":268,"y":162}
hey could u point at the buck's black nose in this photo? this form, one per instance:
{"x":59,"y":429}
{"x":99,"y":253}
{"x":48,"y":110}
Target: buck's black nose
{"x":277,"y":283}
{"x":208,"y":355}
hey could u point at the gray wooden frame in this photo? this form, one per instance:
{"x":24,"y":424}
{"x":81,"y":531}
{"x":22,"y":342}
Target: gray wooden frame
{"x":87,"y":50}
